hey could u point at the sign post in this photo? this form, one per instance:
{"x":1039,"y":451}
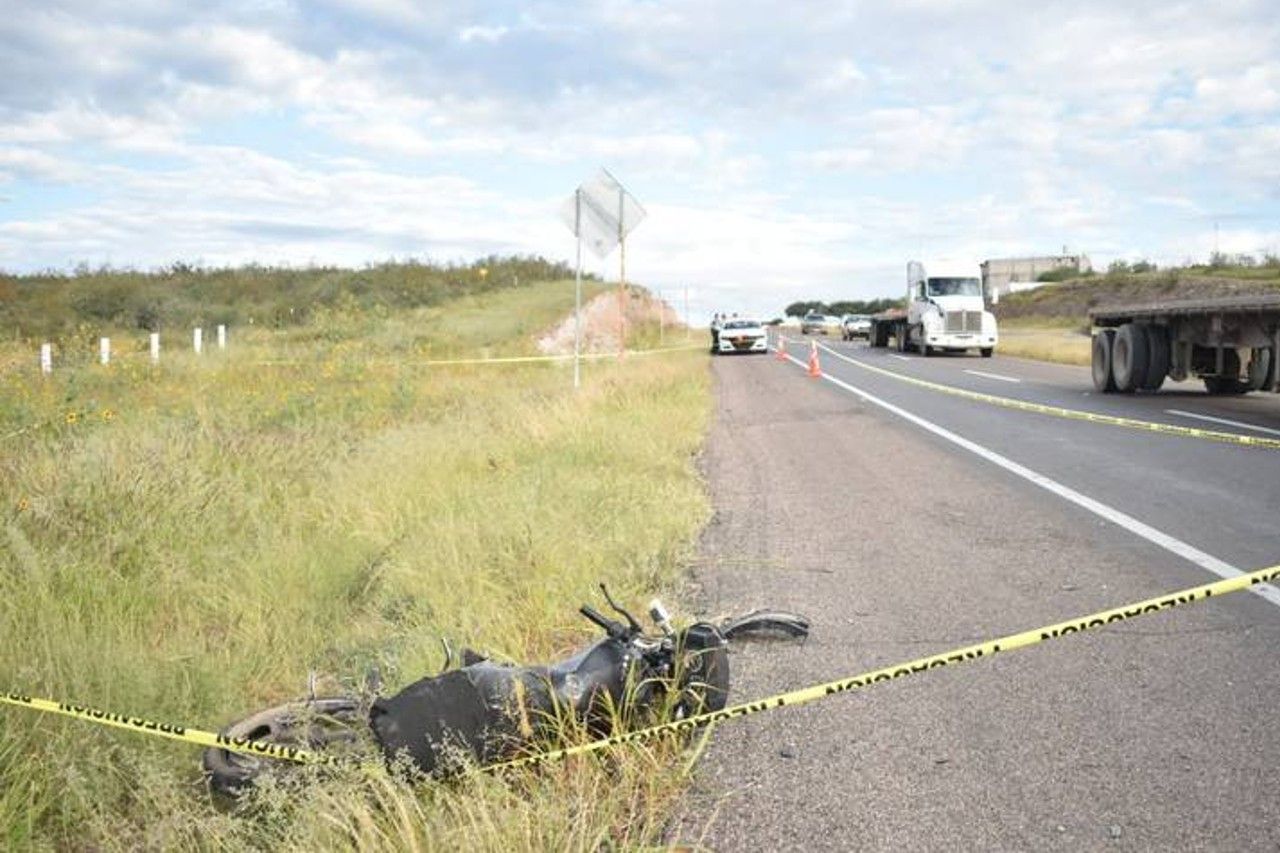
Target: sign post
{"x":602,"y":213}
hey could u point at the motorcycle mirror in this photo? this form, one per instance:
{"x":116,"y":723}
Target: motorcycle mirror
{"x":631,"y":620}
{"x":660,"y":617}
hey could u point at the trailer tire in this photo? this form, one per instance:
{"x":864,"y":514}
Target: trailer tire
{"x":1157,"y":358}
{"x":1129,"y":357}
{"x":1229,"y":381}
{"x":1225,"y":385}
{"x":1103,"y":381}
{"x":1261,"y":368}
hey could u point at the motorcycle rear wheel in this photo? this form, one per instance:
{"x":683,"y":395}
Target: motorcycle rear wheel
{"x":315,"y":724}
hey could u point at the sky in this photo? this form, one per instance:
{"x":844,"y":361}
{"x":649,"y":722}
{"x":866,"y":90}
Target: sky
{"x":780,"y":151}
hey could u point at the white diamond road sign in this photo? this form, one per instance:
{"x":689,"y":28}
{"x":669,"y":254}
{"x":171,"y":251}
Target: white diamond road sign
{"x":607,"y":214}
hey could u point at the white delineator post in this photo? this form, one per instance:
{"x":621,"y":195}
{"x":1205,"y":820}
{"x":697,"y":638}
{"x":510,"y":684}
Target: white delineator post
{"x":222,"y":336}
{"x":46,"y":358}
{"x":104,"y":350}
{"x":155,"y":347}
{"x":197,"y":340}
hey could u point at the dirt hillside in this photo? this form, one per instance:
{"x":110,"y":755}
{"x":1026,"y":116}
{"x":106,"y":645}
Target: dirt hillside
{"x":1073,"y":299}
{"x":600,"y":322}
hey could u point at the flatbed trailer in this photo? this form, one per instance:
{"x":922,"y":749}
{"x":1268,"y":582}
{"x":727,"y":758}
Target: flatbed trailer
{"x":888,"y":324}
{"x":1230,"y":343}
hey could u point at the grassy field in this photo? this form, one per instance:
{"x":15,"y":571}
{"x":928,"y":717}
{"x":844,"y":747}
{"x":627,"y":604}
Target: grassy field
{"x":186,"y":542}
{"x":1056,"y":339}
{"x":1051,"y":323}
{"x":1070,"y":301}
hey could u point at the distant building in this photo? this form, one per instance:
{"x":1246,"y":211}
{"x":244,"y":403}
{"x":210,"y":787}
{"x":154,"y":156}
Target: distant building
{"x":1009,"y":275}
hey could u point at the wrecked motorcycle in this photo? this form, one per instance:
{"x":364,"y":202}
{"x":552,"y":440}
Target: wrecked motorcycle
{"x":484,"y":711}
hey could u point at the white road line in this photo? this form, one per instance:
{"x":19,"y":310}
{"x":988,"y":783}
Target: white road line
{"x":1175,"y":546}
{"x":1223,"y":421}
{"x":899,"y":357}
{"x":992,"y":375}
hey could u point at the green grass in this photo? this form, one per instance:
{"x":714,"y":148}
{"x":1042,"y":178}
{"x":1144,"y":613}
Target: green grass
{"x":1070,"y":301}
{"x":186,"y":542}
{"x":57,"y":304}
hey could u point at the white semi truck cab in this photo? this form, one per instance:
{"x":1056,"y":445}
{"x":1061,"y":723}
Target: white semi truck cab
{"x":945,"y":309}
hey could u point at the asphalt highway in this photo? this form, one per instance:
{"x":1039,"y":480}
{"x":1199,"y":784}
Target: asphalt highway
{"x":872,"y":514}
{"x":1220,"y":498}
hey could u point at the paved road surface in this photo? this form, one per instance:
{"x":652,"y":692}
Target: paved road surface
{"x":1154,"y":734}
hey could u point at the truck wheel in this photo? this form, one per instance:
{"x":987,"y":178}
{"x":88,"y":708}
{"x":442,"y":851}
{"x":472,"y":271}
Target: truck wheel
{"x":1103,"y":381}
{"x":1157,"y":358}
{"x":1228,"y":382}
{"x":987,"y":351}
{"x":1261,"y":368}
{"x":1129,"y":357}
{"x":925,"y":349}
{"x":900,"y":333}
{"x":1225,"y":385}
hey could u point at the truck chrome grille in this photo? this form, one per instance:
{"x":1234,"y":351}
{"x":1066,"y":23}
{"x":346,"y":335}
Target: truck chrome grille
{"x":962,"y":321}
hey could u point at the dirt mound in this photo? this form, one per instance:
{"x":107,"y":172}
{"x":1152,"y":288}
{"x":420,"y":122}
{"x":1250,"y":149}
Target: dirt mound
{"x":600,"y":322}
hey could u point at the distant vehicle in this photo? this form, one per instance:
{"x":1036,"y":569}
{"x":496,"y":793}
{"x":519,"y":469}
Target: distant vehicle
{"x":816,"y":324}
{"x":855,"y":326}
{"x":945,"y":311}
{"x":739,"y":335}
{"x":1230,"y":343}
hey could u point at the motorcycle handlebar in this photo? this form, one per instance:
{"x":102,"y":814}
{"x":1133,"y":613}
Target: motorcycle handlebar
{"x":611,"y":627}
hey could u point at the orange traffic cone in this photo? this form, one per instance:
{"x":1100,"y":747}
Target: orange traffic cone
{"x":780,"y":350}
{"x":815,"y":369}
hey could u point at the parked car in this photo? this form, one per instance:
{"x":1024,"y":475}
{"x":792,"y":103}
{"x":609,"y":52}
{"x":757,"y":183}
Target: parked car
{"x":739,"y":335}
{"x":855,"y":326}
{"x":816,"y":324}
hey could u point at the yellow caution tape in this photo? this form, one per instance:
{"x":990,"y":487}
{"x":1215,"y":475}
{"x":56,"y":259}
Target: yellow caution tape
{"x":689,"y":724}
{"x":169,"y":730}
{"x":1060,"y":412}
{"x":516,"y":359}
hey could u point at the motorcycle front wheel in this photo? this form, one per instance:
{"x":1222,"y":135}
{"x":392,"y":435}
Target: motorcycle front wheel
{"x":703,"y":673}
{"x":316,"y":724}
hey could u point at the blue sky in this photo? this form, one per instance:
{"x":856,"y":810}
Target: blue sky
{"x":781,"y":151}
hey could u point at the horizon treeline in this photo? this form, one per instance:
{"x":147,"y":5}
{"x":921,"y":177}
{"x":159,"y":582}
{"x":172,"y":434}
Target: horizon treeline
{"x":54,"y":303}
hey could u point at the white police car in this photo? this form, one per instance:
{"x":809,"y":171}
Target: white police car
{"x":738,"y":335}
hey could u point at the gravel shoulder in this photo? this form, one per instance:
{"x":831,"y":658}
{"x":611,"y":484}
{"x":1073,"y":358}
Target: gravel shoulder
{"x":1148,"y":735}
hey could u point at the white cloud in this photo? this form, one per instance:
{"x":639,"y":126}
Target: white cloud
{"x":843,"y":75}
{"x":476,"y":32}
{"x":1254,"y":91}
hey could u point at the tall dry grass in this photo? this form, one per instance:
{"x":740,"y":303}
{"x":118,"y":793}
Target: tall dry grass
{"x":186,"y":542}
{"x":1046,"y":339}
